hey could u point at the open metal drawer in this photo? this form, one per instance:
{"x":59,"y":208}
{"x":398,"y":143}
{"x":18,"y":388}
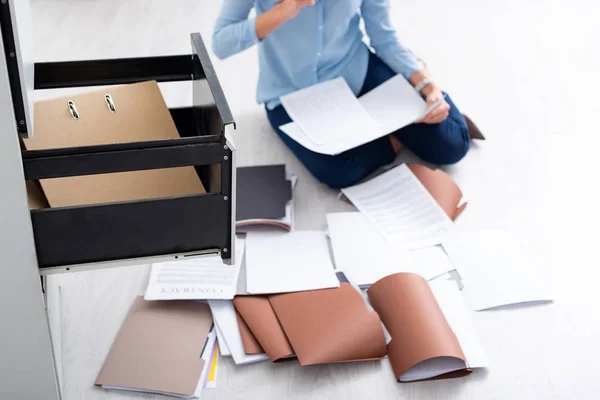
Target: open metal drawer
{"x":78,"y":237}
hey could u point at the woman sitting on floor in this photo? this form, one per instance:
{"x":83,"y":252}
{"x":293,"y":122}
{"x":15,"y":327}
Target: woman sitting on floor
{"x":304,"y":42}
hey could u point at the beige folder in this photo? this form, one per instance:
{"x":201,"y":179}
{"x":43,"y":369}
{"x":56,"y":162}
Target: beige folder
{"x":158,"y":348}
{"x":139,"y":114}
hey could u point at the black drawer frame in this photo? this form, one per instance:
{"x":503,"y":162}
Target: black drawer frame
{"x":119,"y":231}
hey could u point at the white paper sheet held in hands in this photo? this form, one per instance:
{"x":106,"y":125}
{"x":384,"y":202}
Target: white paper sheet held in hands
{"x":402,"y":209}
{"x":495,"y":270}
{"x":195,"y":279}
{"x":328,"y":112}
{"x":289,"y":262}
{"x":361,"y":250}
{"x":390,"y":106}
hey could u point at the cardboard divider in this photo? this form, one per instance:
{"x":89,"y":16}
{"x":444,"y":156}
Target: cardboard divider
{"x":123,"y":114}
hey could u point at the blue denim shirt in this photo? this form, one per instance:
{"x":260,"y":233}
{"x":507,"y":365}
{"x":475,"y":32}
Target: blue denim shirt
{"x":323,"y":42}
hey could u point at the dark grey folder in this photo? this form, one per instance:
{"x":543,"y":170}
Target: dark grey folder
{"x":262,"y":192}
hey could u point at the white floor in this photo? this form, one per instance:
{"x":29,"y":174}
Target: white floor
{"x":526,"y":71}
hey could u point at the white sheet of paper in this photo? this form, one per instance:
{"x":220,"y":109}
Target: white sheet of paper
{"x":394,"y":104}
{"x":223,"y":347}
{"x":224,"y":317}
{"x":401,"y":208}
{"x":457,"y":312}
{"x":328,"y":112}
{"x":495,"y":270}
{"x":433,"y":367}
{"x":195,"y":279}
{"x":431,"y":262}
{"x":288,"y":262}
{"x":241,"y":283}
{"x":361,"y":250}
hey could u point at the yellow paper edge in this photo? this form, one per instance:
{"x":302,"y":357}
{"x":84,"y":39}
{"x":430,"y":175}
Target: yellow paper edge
{"x":213,"y":366}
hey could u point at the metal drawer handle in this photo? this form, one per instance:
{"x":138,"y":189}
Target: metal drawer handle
{"x":73,"y":110}
{"x":110,"y":103}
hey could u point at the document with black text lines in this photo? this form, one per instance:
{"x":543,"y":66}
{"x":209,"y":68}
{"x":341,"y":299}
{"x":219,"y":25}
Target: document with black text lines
{"x":195,"y":279}
{"x":402,"y":209}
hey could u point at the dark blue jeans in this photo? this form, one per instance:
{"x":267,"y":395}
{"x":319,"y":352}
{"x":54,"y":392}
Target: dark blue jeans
{"x":444,"y":143}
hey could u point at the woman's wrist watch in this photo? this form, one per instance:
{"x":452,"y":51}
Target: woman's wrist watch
{"x":421,"y":85}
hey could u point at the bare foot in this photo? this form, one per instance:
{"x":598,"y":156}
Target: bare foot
{"x":396,"y":144}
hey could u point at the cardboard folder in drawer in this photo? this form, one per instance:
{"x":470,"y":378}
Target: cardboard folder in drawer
{"x":115,"y":115}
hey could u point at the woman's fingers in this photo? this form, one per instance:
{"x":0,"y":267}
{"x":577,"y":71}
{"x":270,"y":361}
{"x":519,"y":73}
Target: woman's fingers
{"x":438,"y":114}
{"x":438,"y":118}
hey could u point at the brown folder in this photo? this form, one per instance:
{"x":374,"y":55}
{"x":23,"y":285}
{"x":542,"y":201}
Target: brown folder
{"x":140,"y":114}
{"x":330,"y":325}
{"x":420,"y":333}
{"x":158,"y":347}
{"x":251,"y":345}
{"x":259,"y":316}
{"x":441,"y":187}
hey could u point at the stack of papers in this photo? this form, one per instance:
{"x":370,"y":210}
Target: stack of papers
{"x":329,"y":119}
{"x":399,"y":245}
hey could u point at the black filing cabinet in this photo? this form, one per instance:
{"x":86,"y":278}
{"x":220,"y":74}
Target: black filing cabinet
{"x":177,"y":226}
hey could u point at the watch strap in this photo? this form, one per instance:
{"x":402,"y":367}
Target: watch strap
{"x":421,"y":85}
